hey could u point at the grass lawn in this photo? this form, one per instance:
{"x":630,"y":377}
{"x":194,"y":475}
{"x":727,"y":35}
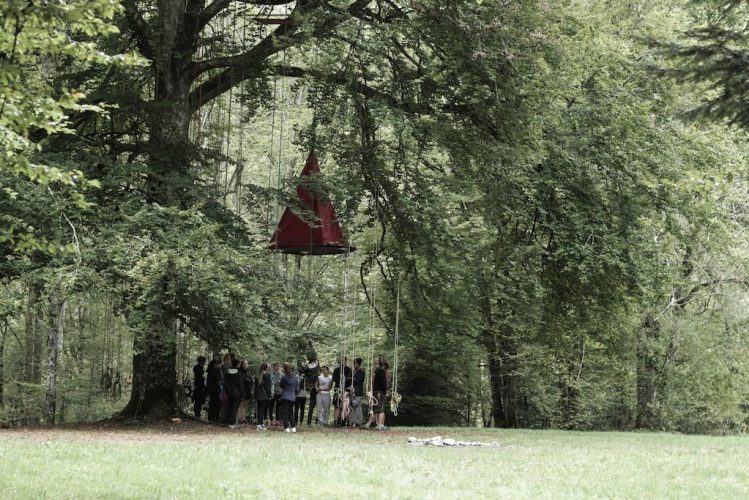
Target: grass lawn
{"x":198,"y":462}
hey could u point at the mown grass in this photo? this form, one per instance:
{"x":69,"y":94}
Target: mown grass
{"x":190,"y":461}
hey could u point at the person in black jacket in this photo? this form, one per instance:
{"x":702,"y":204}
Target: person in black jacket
{"x":358,"y":386}
{"x":199,"y":391}
{"x":263,"y":395}
{"x":311,"y":371}
{"x":233,"y":386}
{"x":213,"y":388}
{"x":379,"y":389}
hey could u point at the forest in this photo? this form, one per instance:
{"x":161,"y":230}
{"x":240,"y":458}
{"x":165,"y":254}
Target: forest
{"x":546,"y":201}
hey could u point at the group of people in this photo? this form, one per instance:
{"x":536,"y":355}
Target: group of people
{"x":279,"y":393}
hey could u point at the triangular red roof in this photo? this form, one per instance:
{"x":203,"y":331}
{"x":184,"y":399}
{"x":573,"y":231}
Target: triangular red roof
{"x":322,"y":235}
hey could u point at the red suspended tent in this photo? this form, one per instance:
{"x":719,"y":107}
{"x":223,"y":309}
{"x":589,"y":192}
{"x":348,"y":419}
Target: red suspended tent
{"x":320,"y":234}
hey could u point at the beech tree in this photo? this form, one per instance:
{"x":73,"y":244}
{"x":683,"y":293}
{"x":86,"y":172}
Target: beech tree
{"x":196,"y":56}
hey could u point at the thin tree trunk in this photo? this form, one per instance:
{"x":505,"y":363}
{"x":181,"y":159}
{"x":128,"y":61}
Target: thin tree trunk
{"x":33,"y":348}
{"x":2,"y":357}
{"x":648,"y":375}
{"x":495,"y":378}
{"x":54,"y":348}
{"x":503,"y":381}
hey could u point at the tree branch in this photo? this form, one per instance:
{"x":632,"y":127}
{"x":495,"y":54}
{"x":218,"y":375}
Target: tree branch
{"x":409,"y":107}
{"x":213,"y":9}
{"x":141,"y":30}
{"x":250,"y":63}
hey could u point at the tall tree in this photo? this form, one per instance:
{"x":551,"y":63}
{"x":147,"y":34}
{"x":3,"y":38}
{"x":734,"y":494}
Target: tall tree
{"x":189,"y":70}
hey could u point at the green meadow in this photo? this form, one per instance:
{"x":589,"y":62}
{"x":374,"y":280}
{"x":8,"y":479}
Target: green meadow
{"x":185,"y":461}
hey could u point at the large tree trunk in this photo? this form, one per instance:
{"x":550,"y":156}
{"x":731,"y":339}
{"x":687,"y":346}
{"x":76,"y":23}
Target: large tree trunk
{"x":154,"y":376}
{"x":54,"y":348}
{"x":169,"y":183}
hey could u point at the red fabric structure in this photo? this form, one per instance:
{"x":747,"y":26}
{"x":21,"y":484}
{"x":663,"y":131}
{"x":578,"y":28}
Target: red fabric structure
{"x":321,"y":235}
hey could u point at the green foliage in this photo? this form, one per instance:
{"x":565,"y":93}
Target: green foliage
{"x":37,"y":42}
{"x":556,"y":232}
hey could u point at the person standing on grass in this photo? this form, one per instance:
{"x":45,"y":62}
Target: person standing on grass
{"x":199,"y":390}
{"x":301,"y":400}
{"x":323,"y":387}
{"x":379,"y":389}
{"x":290,"y":388}
{"x":275,"y":405}
{"x":358,"y":386}
{"x":213,"y":388}
{"x":341,"y":382}
{"x":263,"y":395}
{"x":234,"y":390}
{"x":311,"y":372}
{"x":247,"y":384}
{"x":226,"y":365}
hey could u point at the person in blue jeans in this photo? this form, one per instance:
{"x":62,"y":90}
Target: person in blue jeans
{"x":289,"y":389}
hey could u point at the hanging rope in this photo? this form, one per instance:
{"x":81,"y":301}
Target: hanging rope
{"x":279,"y":164}
{"x":354,"y":322}
{"x":270,"y":153}
{"x":341,"y":388}
{"x":395,"y":397}
{"x":372,"y":318}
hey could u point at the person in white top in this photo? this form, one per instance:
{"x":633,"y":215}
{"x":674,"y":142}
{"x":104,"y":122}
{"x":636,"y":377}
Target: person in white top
{"x":323,"y":386}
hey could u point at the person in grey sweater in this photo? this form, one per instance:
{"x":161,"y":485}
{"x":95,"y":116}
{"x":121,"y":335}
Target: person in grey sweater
{"x":289,"y":389}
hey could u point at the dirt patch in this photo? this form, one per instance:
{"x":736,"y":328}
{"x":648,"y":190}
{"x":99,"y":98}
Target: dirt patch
{"x":166,"y":432}
{"x":188,"y":431}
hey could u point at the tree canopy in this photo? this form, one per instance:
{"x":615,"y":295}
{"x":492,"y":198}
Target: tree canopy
{"x":524,"y":181}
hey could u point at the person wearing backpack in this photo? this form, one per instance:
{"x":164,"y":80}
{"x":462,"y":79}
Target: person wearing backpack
{"x":311,"y":372}
{"x":263,"y":395}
